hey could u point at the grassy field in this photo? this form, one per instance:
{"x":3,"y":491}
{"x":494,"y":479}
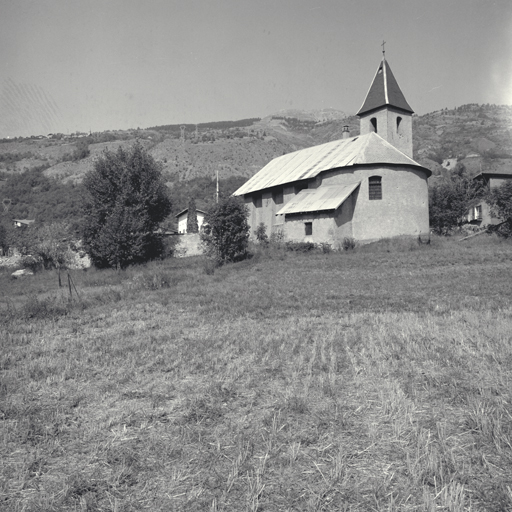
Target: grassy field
{"x":373,"y":380}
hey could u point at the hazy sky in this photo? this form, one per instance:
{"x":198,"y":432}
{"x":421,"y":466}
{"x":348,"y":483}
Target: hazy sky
{"x":68,"y":65}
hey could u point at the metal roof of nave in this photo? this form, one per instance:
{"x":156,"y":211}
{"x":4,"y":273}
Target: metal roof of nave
{"x":308,"y":163}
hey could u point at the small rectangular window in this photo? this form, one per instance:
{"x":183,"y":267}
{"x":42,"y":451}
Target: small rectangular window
{"x":257,"y":200}
{"x":278,"y":197}
{"x":308,"y":228}
{"x":375,"y":188}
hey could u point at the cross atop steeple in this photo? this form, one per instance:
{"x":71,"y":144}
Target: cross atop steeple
{"x":383,"y":49}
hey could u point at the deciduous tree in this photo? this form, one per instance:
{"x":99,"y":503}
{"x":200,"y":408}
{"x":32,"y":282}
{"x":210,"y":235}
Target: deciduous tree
{"x":125,"y":200}
{"x":450,"y":200}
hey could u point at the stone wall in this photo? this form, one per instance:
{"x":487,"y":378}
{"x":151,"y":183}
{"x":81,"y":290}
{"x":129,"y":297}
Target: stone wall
{"x":188,"y":245}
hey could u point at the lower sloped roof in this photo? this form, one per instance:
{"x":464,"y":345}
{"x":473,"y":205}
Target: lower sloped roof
{"x":319,"y":199}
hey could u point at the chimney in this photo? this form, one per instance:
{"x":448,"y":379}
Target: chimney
{"x":345,"y":134}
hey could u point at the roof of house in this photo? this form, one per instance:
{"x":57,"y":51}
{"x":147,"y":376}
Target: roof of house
{"x":384,"y":91}
{"x":24,"y":221}
{"x":308,"y":163}
{"x":500,"y":172}
{"x":319,"y":199}
{"x":186,"y":210}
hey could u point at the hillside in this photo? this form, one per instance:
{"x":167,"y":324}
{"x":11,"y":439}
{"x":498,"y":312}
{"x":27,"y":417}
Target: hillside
{"x":480,"y":136}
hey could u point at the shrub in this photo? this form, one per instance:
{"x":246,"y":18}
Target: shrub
{"x":50,"y":245}
{"x":225,"y":233}
{"x":261,"y":234}
{"x":32,"y":263}
{"x":325,"y":248}
{"x":300,"y":246}
{"x":348,"y":243}
{"x":46,"y":244}
{"x":82,"y":150}
{"x":276,"y":238}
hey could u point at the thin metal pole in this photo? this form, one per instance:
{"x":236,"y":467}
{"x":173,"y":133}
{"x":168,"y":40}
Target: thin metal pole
{"x":69,"y":284}
{"x":74,"y":287}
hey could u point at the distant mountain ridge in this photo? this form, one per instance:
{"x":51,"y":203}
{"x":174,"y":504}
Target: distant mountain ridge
{"x":319,"y":116}
{"x":479,"y":136}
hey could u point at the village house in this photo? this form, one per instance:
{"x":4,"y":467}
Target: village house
{"x":365,"y":187}
{"x":182,"y":219}
{"x":480,"y":214}
{"x":22,"y":223}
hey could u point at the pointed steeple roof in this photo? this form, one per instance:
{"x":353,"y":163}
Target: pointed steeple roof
{"x":384,"y":91}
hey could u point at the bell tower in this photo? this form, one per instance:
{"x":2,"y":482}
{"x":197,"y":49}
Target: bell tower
{"x":386,"y":112}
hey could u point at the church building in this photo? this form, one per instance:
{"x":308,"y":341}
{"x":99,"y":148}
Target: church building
{"x":366,"y":187}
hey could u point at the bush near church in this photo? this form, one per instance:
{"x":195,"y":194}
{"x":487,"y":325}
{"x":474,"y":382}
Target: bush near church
{"x":225,"y":232}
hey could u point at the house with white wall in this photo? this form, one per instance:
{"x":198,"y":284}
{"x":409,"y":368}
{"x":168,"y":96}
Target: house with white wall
{"x":480,"y":214}
{"x":182,"y":219}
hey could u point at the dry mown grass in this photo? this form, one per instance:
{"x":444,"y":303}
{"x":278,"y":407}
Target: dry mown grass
{"x":373,"y":380}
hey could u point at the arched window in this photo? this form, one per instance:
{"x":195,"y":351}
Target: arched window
{"x":375,"y":187}
{"x":373,"y":120}
{"x":398,"y":121}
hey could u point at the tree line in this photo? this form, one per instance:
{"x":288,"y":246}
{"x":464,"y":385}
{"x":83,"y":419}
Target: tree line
{"x":215,"y":125}
{"x":118,"y":212}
